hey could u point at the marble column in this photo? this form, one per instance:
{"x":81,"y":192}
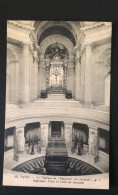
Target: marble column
{"x":88,"y":74}
{"x":71,"y":77}
{"x":68,"y":136}
{"x":93,"y":144}
{"x":39,"y":81}
{"x":42,"y":77}
{"x":17,"y":81}
{"x":25,"y":74}
{"x":36,"y":75}
{"x":82,"y":78}
{"x":77,"y":74}
{"x":19,"y":142}
{"x":31,"y":75}
{"x":44,"y":134}
{"x":13,"y":81}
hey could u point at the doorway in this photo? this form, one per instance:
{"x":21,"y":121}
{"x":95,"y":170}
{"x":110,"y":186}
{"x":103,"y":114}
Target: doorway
{"x":57,"y":128}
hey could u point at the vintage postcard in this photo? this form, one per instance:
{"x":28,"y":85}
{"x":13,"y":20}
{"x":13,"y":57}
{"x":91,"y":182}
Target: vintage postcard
{"x":57,"y":104}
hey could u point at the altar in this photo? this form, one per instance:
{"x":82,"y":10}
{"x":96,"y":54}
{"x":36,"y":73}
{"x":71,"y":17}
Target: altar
{"x":56,"y":72}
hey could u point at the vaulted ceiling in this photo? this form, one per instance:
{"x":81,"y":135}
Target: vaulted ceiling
{"x":57,"y":30}
{"x":65,"y":28}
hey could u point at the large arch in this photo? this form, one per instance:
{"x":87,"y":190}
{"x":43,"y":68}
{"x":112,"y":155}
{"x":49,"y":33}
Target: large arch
{"x":57,"y":30}
{"x":69,"y":26}
{"x":57,"y":38}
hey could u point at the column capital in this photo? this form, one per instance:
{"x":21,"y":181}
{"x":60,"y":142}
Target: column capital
{"x":25,"y":45}
{"x":90,"y":45}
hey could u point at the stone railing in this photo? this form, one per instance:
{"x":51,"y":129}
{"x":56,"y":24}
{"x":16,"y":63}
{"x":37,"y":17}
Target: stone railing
{"x":97,"y":119}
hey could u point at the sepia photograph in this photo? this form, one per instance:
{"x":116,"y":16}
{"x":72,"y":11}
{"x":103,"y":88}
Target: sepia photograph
{"x":57,"y":118}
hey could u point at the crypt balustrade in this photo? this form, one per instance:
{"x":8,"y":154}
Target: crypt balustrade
{"x":22,"y":145}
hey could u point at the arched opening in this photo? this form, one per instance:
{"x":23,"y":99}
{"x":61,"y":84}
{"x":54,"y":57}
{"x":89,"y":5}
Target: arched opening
{"x":103,"y":140}
{"x":80,"y":131}
{"x":32,"y":132}
{"x":56,"y":56}
{"x":57,"y":129}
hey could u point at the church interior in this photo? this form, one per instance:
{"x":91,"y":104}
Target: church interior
{"x":57,"y":97}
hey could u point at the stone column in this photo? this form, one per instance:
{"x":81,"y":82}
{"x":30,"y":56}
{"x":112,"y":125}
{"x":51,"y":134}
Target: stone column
{"x":39,"y":81}
{"x":25,"y":74}
{"x":68,"y":136}
{"x":71,"y":77}
{"x":77,"y":74}
{"x":42,"y":76}
{"x":19,"y":143}
{"x":13,"y":81}
{"x":82,"y":78}
{"x":93,"y":144}
{"x":44,"y":134}
{"x":36,"y":75}
{"x":88,"y":75}
{"x":17,"y":81}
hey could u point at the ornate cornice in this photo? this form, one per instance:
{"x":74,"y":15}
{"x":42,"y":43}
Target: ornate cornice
{"x":93,"y":26}
{"x":20,"y":25}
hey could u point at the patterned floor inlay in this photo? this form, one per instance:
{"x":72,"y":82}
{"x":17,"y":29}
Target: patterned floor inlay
{"x":75,"y":167}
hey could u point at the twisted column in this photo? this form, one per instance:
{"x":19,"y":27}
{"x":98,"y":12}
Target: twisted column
{"x":65,"y":78}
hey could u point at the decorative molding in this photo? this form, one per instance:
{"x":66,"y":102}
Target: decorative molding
{"x":20,"y":25}
{"x":93,"y":26}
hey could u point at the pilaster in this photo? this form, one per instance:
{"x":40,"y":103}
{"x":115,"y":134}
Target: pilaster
{"x":25,"y":83}
{"x":44,"y":134}
{"x":19,"y":143}
{"x":68,"y":135}
{"x":88,"y":74}
{"x":93,"y":144}
{"x":77,"y":74}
